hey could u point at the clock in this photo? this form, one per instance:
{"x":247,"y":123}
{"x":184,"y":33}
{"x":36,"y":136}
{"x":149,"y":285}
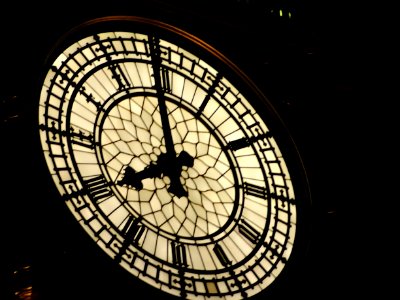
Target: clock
{"x":172,"y":160}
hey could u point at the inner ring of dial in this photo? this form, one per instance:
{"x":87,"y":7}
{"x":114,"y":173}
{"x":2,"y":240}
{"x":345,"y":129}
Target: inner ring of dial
{"x":137,"y":141}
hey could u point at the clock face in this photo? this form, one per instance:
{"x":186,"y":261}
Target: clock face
{"x":170,"y":159}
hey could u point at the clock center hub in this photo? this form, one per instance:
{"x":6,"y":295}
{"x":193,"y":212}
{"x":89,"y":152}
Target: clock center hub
{"x":165,"y":165}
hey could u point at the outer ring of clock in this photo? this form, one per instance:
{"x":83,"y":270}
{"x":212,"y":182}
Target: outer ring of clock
{"x":207,"y":284}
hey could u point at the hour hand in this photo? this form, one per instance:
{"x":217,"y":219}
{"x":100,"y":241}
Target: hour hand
{"x":131,"y":178}
{"x":164,"y":166}
{"x":134,"y":179}
{"x":174,"y":173}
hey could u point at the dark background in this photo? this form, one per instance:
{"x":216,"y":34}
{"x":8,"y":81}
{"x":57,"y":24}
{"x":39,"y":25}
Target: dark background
{"x":314,"y":67}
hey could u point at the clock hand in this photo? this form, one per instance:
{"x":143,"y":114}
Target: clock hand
{"x":183,"y":159}
{"x":172,"y":167}
{"x":161,"y":85}
{"x":163,"y":166}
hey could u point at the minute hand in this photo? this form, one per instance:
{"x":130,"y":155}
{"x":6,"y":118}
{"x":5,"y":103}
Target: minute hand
{"x":171,"y":168}
{"x":160,"y":86}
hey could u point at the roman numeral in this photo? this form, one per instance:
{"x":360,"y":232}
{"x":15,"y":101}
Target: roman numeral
{"x":161,"y":74}
{"x":211,"y":91}
{"x":132,"y":232}
{"x":98,"y":188}
{"x":117,"y":73}
{"x":239,"y":144}
{"x":179,"y":259}
{"x":222,"y":257}
{"x":80,"y":138}
{"x":246,"y":141}
{"x":248,"y":231}
{"x":165,"y":81}
{"x":255,"y":190}
{"x":89,"y":98}
{"x":178,"y":254}
{"x":119,"y":76}
{"x":77,"y":137}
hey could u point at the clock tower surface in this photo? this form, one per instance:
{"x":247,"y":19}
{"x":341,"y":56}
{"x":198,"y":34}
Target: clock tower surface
{"x":147,"y":155}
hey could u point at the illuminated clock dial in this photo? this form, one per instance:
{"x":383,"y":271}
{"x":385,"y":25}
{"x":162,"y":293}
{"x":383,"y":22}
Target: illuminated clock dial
{"x":171,"y":159}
